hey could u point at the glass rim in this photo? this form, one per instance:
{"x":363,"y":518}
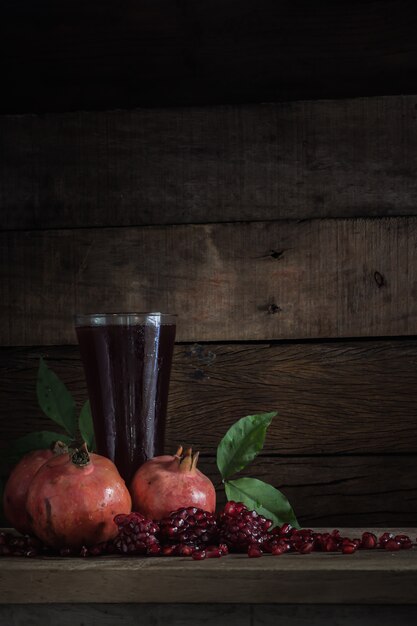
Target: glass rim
{"x":109,"y":319}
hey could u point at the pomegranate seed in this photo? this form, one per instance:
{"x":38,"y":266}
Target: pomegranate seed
{"x":369,"y":541}
{"x":278,"y":550}
{"x":84,"y":551}
{"x":329,"y":545}
{"x":285,"y":529}
{"x":404,"y":541}
{"x":306,"y":548}
{"x":254,"y":552}
{"x":384,"y":538}
{"x":230,"y":508}
{"x":213,"y":553}
{"x":154,"y":549}
{"x":285,"y":544}
{"x":392,"y":545}
{"x":31,"y":553}
{"x":199,"y":555}
{"x":349,"y":548}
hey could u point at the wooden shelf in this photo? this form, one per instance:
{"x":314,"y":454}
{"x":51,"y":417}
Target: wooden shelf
{"x":371,"y":577}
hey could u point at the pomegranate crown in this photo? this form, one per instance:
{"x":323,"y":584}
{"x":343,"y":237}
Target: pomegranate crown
{"x":80,"y":456}
{"x":187,"y":462}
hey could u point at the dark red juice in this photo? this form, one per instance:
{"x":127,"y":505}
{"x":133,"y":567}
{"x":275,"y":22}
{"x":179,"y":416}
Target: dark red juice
{"x":127,"y":367}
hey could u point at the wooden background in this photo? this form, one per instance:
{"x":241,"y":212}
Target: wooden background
{"x":283,"y":234}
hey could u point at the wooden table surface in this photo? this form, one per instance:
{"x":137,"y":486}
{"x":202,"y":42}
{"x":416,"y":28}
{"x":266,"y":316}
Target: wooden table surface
{"x":367,"y":577}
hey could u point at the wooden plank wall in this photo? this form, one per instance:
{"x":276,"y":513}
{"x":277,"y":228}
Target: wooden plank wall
{"x":283,"y":235}
{"x":314,"y":159}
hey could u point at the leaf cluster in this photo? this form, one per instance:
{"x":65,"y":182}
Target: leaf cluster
{"x":238,"y":448}
{"x":59,"y":406}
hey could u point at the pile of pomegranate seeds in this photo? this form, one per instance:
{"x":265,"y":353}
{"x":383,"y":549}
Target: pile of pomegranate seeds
{"x":189,"y":527}
{"x":12,"y":545}
{"x":137,"y":535}
{"x":305,"y":541}
{"x":201,"y":535}
{"x":242,"y":529}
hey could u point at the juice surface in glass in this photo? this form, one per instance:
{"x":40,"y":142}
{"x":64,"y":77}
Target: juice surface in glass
{"x":127,"y":362}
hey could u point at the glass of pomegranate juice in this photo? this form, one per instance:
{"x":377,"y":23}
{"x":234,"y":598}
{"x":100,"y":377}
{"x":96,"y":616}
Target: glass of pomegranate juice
{"x":127,"y":362}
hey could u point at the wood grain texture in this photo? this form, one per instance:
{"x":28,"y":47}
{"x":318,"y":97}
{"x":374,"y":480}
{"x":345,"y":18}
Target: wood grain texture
{"x":207,"y":614}
{"x":226,"y":163}
{"x":133,"y":615}
{"x":374,"y":577}
{"x":73,"y":55}
{"x":334,"y":398}
{"x":279,"y":280}
{"x":330,"y":615}
{"x":335,"y":491}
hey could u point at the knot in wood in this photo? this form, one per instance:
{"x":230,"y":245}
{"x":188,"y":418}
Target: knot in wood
{"x":273,"y":308}
{"x":379,"y":279}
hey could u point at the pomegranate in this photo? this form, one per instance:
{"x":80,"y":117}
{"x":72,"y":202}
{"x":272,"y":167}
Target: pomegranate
{"x":16,"y":489}
{"x":168,"y":483}
{"x":73,"y":499}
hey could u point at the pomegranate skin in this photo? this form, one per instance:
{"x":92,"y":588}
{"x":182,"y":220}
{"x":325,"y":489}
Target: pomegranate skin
{"x":73,"y":505}
{"x":17,"y":486}
{"x":167,"y":483}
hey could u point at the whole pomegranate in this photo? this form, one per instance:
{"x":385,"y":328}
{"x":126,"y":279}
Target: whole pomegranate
{"x":168,"y":483}
{"x":73,"y":499}
{"x":16,"y":489}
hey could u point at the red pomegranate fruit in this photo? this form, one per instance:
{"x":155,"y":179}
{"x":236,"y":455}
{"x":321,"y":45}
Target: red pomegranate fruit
{"x":168,"y":483}
{"x":16,"y":489}
{"x":74,"y":498}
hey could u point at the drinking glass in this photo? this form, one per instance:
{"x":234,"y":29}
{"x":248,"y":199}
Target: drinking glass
{"x":127,"y":362}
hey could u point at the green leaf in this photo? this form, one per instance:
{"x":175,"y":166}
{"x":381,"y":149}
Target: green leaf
{"x":55,"y":400}
{"x":263,"y":498}
{"x":85,"y":424}
{"x":33,"y":441}
{"x":242,"y":442}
